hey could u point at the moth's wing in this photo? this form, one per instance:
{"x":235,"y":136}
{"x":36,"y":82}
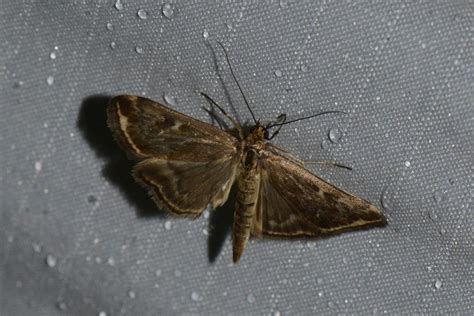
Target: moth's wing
{"x":187,"y":187}
{"x":186,"y":164}
{"x":294,"y":202}
{"x":145,"y":128}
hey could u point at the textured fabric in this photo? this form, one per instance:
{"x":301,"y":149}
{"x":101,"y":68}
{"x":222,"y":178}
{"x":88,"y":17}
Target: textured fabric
{"x":79,"y":237}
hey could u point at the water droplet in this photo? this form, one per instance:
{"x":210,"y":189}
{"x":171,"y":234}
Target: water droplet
{"x":311,"y":244}
{"x":102,"y":314}
{"x":205,"y":232}
{"x":118,"y":5}
{"x":304,"y":68}
{"x":385,"y":201}
{"x":18,"y":84}
{"x":283,"y":4}
{"x":142,"y":14}
{"x":98,"y":260}
{"x":139,"y":49}
{"x":109,"y":26}
{"x":111,"y":261}
{"x":167,"y":10}
{"x":432,"y":214}
{"x":177,"y":273}
{"x":335,"y":135}
{"x":38,"y":166}
{"x":407,"y":164}
{"x":438,"y":284}
{"x":91,"y":199}
{"x":36,"y":247}
{"x":113,"y":45}
{"x":51,"y":261}
{"x":330,"y":304}
{"x":205,"y":34}
{"x":196,"y":297}
{"x":442,"y":231}
{"x":278,"y":73}
{"x":206,"y":214}
{"x":158,"y":273}
{"x":325,"y":144}
{"x":438,"y":196}
{"x":251,"y":298}
{"x":169,"y":99}
{"x":52,"y":55}
{"x":61,"y":306}
{"x":131,"y":294}
{"x":320,"y":293}
{"x":50,"y":80}
{"x":167,"y":225}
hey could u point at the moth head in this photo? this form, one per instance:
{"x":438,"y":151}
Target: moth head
{"x":259,"y":133}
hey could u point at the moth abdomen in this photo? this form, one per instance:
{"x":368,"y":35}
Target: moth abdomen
{"x":248,"y":187}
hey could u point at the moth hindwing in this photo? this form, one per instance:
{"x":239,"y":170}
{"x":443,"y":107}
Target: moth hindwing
{"x":187,"y":164}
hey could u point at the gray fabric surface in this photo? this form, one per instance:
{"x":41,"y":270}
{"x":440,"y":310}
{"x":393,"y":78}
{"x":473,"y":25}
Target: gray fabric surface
{"x":79,"y":237}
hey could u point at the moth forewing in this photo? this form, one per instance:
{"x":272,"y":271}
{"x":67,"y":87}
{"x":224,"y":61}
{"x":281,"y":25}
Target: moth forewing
{"x":145,"y":128}
{"x":294,"y":202}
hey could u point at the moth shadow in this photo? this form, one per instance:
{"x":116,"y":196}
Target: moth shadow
{"x":92,"y":122}
{"x":220,"y":224}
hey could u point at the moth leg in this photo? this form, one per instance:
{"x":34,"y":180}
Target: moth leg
{"x":327,"y":163}
{"x":237,"y":125}
{"x":215,"y":118}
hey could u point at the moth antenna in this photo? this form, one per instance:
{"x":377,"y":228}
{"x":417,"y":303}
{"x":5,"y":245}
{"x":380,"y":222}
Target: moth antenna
{"x":238,"y":85}
{"x":237,"y":125}
{"x":305,"y":118}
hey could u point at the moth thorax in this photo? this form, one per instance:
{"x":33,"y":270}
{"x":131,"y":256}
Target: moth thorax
{"x":251,"y":158}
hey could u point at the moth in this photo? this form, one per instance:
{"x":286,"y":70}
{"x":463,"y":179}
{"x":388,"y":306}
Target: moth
{"x":187,"y":164}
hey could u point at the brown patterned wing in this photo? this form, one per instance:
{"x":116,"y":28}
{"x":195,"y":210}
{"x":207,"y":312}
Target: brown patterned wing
{"x":186,"y":164}
{"x":294,"y":202}
{"x":145,"y":128}
{"x":187,"y":187}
